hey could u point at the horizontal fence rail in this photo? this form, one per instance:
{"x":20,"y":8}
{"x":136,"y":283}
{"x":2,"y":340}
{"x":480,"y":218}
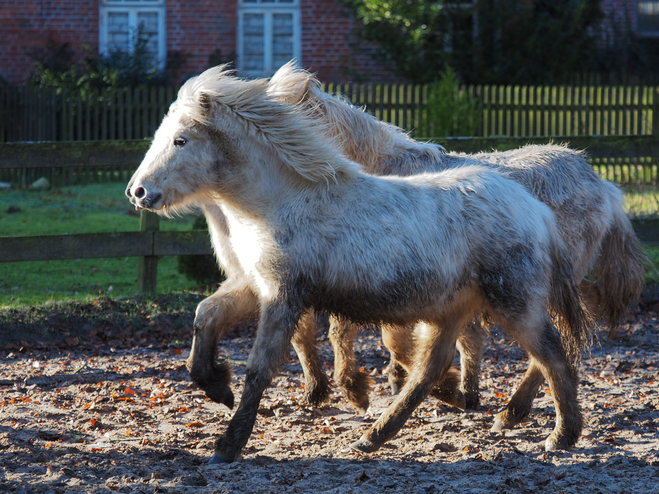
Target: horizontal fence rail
{"x":95,"y":245}
{"x":94,"y":159}
{"x":56,"y":114}
{"x":620,"y":159}
{"x":70,"y":163}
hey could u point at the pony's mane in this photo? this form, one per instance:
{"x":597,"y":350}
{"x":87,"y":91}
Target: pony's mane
{"x":363,"y":138}
{"x":288,"y":130}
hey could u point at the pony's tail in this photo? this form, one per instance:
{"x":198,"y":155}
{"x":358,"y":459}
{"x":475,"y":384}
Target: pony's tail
{"x":618,"y":274}
{"x":567,"y":306}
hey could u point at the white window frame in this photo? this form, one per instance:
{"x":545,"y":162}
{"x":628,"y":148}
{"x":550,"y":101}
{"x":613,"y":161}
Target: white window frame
{"x":645,"y":34}
{"x":133,"y":7}
{"x":268,"y":9}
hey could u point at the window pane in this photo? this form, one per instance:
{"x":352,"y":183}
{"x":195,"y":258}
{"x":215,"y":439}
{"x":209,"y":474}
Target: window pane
{"x":118,"y":32}
{"x":282,"y":39}
{"x":648,"y":16}
{"x":253,"y":28}
{"x":147,"y":25}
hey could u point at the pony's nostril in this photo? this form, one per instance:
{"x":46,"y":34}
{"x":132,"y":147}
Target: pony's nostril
{"x":128,"y":194}
{"x":140,"y":192}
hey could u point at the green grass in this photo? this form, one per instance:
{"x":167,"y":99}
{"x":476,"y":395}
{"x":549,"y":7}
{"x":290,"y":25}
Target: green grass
{"x":78,"y":209}
{"x":104,"y":208}
{"x":641,"y":200}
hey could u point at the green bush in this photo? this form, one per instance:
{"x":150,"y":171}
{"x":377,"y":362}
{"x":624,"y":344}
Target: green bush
{"x":56,"y":66}
{"x":201,"y":269}
{"x":449,"y":110}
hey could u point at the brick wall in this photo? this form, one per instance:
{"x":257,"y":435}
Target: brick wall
{"x":200,"y":36}
{"x":331,"y":49}
{"x":26,"y":25}
{"x":198,"y":29}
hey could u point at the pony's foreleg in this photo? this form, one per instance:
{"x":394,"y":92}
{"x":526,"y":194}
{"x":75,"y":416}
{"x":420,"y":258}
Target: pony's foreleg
{"x":231,"y":303}
{"x":548,"y":356}
{"x":271,"y":345}
{"x":435,"y":354}
{"x":317,"y":385}
{"x":356,"y":385}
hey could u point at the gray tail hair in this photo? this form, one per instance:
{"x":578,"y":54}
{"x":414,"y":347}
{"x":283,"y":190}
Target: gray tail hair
{"x":618,"y":274}
{"x":568,"y":308}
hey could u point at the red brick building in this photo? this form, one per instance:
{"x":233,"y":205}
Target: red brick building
{"x":641,"y":15}
{"x":260,"y":35}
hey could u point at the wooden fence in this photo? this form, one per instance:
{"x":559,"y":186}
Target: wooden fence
{"x":95,"y":160}
{"x":51,"y":114}
{"x":620,"y":159}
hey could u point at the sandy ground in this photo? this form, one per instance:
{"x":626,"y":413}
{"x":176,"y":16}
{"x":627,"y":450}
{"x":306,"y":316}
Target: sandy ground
{"x":119,"y":414}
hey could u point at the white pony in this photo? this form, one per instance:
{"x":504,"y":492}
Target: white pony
{"x":310,"y":231}
{"x":600,"y":239}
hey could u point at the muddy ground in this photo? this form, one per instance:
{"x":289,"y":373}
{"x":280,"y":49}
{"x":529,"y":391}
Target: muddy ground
{"x":113,"y":410}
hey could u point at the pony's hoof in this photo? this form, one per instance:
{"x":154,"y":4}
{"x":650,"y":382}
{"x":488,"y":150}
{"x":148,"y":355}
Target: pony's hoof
{"x":502,"y":421}
{"x":229,"y":400}
{"x":363,"y":445}
{"x":224,"y":397}
{"x":316,"y":395}
{"x":217,"y":460}
{"x":554,"y":443}
{"x":396,"y":376}
{"x":460,"y":401}
{"x":472,"y":401}
{"x":500,"y":425}
{"x":361,"y":405}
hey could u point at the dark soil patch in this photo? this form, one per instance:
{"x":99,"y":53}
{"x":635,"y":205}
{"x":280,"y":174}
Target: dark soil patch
{"x":103,"y":403}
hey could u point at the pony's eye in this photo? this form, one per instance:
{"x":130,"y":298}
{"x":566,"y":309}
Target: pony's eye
{"x":180,"y":141}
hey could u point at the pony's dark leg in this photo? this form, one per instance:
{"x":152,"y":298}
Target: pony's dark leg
{"x":273,"y":339}
{"x":396,"y":376}
{"x":317,"y":386}
{"x":591,"y":296}
{"x":356,"y":385}
{"x":434,"y":357}
{"x":232,"y":302}
{"x":470,"y":345}
{"x":544,"y":347}
{"x":519,"y":406}
{"x":400,"y":340}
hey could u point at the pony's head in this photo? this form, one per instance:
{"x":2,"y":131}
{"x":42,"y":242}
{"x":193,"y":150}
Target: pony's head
{"x":381,"y":148}
{"x":223,"y":133}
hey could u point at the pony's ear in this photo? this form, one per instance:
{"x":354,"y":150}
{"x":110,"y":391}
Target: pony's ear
{"x":299,"y":93}
{"x":205,"y":102}
{"x":289,"y":84}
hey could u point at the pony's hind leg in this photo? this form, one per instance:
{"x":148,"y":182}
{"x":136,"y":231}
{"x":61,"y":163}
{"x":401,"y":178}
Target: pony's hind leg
{"x":317,"y":386}
{"x":548,"y":357}
{"x":356,"y":385}
{"x":470,"y":345}
{"x":433,"y":359}
{"x":400,"y":342}
{"x":519,"y":406}
{"x":232,"y":302}
{"x":396,"y":376}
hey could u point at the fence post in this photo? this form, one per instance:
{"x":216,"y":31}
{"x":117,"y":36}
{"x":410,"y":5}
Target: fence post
{"x":147,"y":271}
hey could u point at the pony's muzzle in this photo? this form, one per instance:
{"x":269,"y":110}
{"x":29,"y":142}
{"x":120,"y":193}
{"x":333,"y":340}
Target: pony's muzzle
{"x":142,"y":197}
